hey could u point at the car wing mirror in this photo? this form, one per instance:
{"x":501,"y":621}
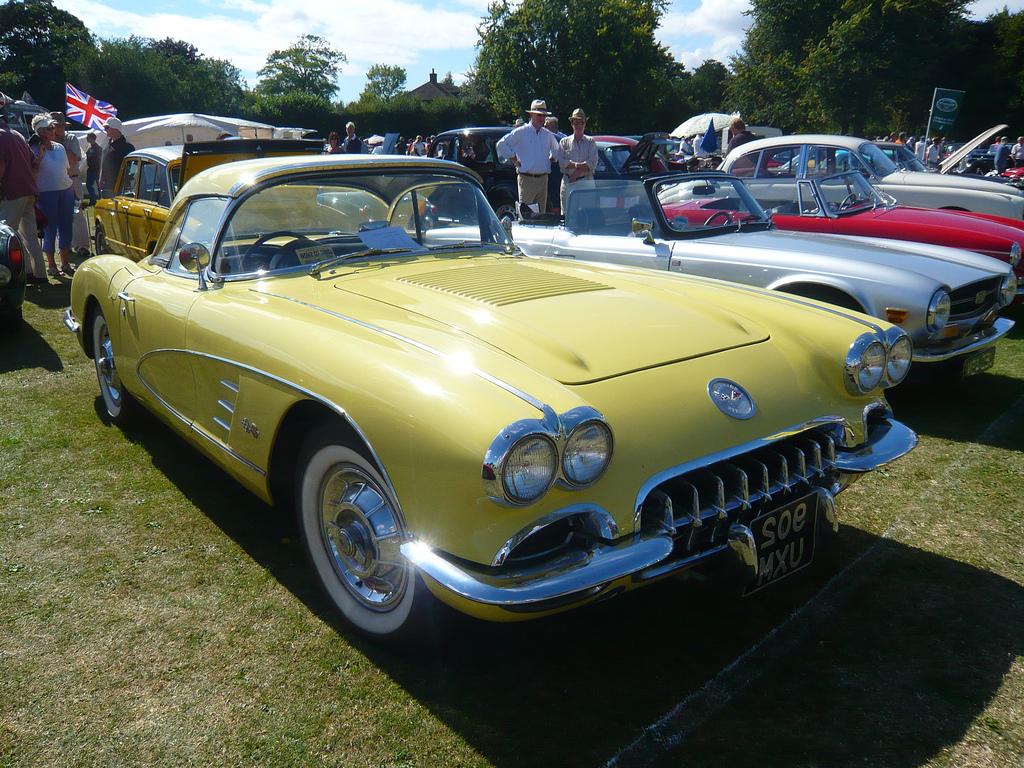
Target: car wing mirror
{"x":642,"y":228}
{"x":506,"y":224}
{"x":194,"y":259}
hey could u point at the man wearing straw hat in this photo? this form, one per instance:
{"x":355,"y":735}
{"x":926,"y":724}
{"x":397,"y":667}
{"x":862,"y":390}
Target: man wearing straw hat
{"x":577,"y":155}
{"x":531,"y":147}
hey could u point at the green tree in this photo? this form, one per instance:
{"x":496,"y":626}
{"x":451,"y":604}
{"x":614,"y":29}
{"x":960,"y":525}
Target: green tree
{"x":383,"y":83}
{"x":848,"y":65}
{"x":309,"y":66}
{"x":601,"y":55}
{"x":149,"y":77}
{"x":38,"y":45}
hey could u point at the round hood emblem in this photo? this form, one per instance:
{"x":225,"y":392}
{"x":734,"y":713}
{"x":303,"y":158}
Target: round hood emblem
{"x":731,"y":399}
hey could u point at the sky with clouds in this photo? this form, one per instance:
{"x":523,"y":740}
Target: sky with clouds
{"x":416,"y":35}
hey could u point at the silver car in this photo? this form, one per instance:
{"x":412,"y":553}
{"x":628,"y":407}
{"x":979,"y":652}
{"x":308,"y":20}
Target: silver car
{"x":709,"y":224}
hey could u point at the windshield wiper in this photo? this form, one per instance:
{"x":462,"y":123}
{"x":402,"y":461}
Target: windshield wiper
{"x":316,"y":269}
{"x":463,"y":244}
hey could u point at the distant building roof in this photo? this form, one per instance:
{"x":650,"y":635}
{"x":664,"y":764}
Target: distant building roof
{"x":432,"y":89}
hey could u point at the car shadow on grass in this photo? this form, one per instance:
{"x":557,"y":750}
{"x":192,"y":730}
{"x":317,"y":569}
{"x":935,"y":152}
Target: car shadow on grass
{"x":25,"y":348}
{"x":887,"y":665}
{"x":953,"y":412}
{"x":53,"y":295}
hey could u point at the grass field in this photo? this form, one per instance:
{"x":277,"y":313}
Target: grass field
{"x":153,"y":613}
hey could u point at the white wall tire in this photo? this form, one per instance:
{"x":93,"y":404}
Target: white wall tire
{"x":121,"y":407}
{"x":350,"y":526}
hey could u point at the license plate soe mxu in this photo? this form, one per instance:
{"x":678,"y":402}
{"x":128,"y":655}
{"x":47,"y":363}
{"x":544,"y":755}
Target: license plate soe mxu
{"x":785,"y":540}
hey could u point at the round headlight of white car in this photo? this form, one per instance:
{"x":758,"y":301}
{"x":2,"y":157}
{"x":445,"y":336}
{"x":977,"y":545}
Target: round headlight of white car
{"x":938,"y":311}
{"x":587,"y":453}
{"x":529,"y":469}
{"x":1008,"y":289}
{"x":865,"y":364}
{"x":897,"y":366}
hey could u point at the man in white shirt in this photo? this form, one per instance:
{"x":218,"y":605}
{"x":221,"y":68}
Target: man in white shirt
{"x":1017,"y":153}
{"x":531,"y":148}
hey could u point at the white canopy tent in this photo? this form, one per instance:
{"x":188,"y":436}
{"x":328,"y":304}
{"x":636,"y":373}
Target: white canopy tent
{"x":699,"y":124}
{"x":176,"y":129}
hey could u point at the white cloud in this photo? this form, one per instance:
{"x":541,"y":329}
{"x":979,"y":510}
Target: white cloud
{"x":713,"y":30}
{"x":385,"y":31}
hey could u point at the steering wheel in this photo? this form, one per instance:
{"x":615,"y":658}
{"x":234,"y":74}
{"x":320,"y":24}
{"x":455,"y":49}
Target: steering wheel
{"x":849,"y":200}
{"x":284,"y":251}
{"x":724,"y":214}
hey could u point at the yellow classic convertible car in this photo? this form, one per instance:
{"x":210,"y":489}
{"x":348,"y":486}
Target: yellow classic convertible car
{"x":130,"y":222}
{"x":356,"y":338}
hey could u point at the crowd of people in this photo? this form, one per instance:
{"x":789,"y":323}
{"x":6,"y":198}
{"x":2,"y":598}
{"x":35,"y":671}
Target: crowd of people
{"x":41,"y":190}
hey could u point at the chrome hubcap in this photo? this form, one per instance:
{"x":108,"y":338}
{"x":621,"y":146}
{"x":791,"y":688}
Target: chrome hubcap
{"x":361,"y":536}
{"x":106,"y":369}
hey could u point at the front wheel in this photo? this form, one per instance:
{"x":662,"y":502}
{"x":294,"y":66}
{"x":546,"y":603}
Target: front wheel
{"x":352,"y":531}
{"x":121,"y":407}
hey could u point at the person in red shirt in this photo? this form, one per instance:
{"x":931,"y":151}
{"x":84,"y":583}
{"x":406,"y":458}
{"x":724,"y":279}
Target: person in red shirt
{"x":18,"y":196}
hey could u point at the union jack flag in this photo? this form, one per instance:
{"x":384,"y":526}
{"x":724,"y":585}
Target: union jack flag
{"x":90,"y":112}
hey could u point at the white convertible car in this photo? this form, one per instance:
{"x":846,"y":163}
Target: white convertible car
{"x":811,"y":155}
{"x":708,"y":224}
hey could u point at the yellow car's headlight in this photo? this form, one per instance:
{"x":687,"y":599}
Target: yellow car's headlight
{"x":587,"y":452}
{"x":865,"y":364}
{"x":529,"y":470}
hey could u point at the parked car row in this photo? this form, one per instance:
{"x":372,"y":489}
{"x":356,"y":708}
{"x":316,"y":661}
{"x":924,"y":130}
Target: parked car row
{"x":512,"y":418}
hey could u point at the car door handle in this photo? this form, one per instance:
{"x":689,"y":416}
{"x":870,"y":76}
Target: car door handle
{"x":125,"y":301}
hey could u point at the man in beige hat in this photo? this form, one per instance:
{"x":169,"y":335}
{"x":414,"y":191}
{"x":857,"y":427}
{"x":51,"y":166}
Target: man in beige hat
{"x":577,"y":156}
{"x":531,"y":148}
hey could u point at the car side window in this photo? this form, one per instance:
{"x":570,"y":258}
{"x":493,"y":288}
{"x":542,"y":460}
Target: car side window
{"x":151,"y":182}
{"x":779,"y":162}
{"x":746,"y":165}
{"x":443,"y":149}
{"x":167,"y":244}
{"x":827,"y":161}
{"x":198,"y":225}
{"x":129,"y":175}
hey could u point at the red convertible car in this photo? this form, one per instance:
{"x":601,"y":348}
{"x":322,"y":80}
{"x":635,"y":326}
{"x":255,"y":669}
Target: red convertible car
{"x":847,"y":204}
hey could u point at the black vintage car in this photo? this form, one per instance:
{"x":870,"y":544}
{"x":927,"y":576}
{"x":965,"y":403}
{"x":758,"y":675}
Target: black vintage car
{"x":12,"y":278}
{"x":475,"y":148}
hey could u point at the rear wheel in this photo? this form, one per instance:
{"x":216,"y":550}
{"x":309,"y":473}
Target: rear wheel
{"x":101,"y":240}
{"x":352,"y":531}
{"x":504,"y":206}
{"x":123,"y":409}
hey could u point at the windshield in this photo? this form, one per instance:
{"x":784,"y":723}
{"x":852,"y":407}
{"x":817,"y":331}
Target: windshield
{"x":304,"y":222}
{"x":848,"y":192}
{"x":907,"y":160}
{"x":707,"y":204}
{"x":875,"y":160}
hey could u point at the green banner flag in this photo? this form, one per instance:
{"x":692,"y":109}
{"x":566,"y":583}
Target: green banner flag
{"x":945,"y":107}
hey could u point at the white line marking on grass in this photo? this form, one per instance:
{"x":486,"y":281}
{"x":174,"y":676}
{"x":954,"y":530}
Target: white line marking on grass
{"x":670,"y":729}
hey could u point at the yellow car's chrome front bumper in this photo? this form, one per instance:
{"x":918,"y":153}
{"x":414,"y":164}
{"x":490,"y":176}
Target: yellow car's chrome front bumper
{"x":579,"y":575}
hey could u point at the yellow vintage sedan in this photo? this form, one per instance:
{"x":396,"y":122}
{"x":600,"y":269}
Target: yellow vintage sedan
{"x":130,"y":222}
{"x":356,"y":338}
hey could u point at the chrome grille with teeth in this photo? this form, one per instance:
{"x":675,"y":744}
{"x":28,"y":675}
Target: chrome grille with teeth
{"x":702,"y":504}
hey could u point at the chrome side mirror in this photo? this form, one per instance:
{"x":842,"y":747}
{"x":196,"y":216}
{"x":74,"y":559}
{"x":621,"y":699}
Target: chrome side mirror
{"x":194,"y":259}
{"x":639,"y":227}
{"x":506,"y":224}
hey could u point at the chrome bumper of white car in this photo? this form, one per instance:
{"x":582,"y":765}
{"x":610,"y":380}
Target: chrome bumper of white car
{"x":579,"y":575}
{"x":968,"y":344}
